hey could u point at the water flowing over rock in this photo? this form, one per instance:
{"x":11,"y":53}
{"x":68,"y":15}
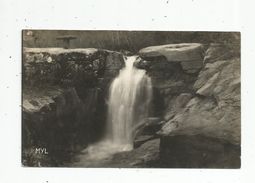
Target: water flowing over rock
{"x":128,"y":105}
{"x":130,"y":95}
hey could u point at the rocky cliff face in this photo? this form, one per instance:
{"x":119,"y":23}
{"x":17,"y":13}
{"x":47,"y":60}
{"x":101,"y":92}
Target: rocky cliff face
{"x":202,"y":111}
{"x":173,"y":72}
{"x":64,"y":93}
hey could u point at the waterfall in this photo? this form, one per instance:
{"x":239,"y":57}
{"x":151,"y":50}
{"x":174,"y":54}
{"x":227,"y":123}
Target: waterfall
{"x":129,"y":99}
{"x":130,"y":94}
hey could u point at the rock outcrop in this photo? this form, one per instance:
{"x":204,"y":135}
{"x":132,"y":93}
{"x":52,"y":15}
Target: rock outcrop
{"x":217,"y":52}
{"x":211,"y":115}
{"x":58,"y":66}
{"x":215,"y":110}
{"x":165,"y":65}
{"x":190,"y":55}
{"x":64,"y":93}
{"x":54,"y":118}
{"x":200,"y":95}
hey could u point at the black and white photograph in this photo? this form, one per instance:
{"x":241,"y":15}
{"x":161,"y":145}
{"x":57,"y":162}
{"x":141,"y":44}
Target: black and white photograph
{"x":148,"y":91}
{"x":131,"y":99}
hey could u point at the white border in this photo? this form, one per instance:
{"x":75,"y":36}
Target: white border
{"x":173,"y":15}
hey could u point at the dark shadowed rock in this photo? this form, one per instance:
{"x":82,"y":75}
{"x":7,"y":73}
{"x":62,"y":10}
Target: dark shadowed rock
{"x":64,"y":90}
{"x":197,"y":151}
{"x":57,"y":119}
{"x":168,"y":79}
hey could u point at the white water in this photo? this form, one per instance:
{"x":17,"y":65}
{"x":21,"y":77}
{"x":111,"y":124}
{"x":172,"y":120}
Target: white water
{"x":129,"y":98}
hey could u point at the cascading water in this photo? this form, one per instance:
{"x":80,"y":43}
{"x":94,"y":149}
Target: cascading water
{"x":129,"y":100}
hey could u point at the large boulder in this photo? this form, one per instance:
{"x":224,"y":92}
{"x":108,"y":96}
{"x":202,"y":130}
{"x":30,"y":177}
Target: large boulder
{"x":189,"y":55}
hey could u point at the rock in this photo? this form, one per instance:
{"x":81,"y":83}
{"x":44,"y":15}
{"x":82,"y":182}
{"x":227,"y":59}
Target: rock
{"x":57,"y":119}
{"x":182,"y":100}
{"x":148,"y":127}
{"x":208,"y":87}
{"x":35,"y":101}
{"x":215,"y":127}
{"x":210,"y":70}
{"x":217,"y":52}
{"x":205,"y":131}
{"x":174,"y":52}
{"x":215,"y":115}
{"x":196,"y":104}
{"x":168,"y":80}
{"x":142,"y":139}
{"x":190,"y":55}
{"x":220,"y":80}
{"x":64,"y":97}
{"x":58,"y":66}
{"x":176,"y":104}
{"x":58,"y":51}
{"x":197,"y":151}
{"x":191,"y":67}
{"x":144,"y":156}
{"x":113,"y":63}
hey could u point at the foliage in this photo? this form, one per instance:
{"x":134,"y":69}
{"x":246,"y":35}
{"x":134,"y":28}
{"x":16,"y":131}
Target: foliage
{"x":125,"y":40}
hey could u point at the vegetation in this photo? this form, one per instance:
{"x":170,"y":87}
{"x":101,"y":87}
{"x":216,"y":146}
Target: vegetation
{"x":125,"y":40}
